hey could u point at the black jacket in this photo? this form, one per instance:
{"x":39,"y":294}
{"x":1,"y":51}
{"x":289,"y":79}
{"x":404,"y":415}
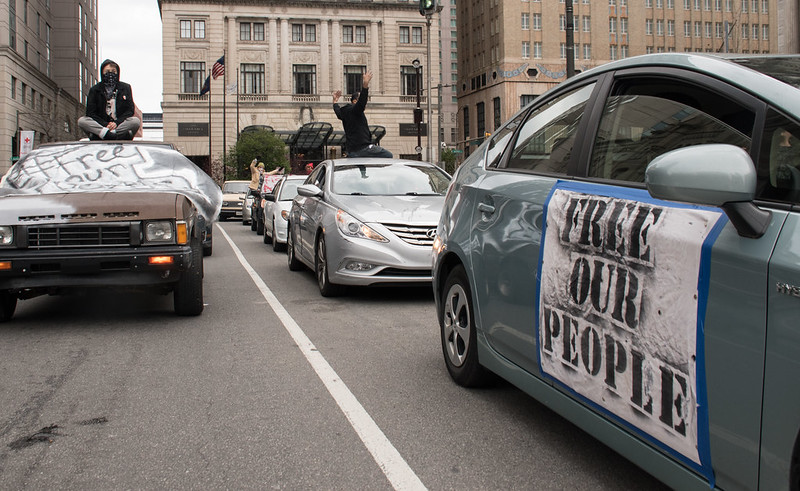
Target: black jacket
{"x":96,"y":103}
{"x":356,"y":128}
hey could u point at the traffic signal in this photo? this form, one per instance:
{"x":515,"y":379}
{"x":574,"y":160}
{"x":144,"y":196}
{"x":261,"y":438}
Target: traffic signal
{"x":427,"y":7}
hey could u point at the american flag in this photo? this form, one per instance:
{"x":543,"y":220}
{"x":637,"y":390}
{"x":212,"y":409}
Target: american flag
{"x":218,"y":68}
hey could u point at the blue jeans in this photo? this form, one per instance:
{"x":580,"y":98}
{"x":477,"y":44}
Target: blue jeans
{"x":371,"y":150}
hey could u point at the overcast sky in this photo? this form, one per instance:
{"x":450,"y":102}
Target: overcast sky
{"x":129,"y":32}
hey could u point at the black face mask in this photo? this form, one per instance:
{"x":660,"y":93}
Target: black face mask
{"x":110,"y":80}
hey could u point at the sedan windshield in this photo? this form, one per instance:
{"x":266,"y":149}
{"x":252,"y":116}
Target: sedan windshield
{"x":389,"y":180}
{"x":235,"y":187}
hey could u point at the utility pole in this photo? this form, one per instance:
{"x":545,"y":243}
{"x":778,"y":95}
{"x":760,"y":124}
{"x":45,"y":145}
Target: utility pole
{"x":570,"y":39}
{"x":428,"y":128}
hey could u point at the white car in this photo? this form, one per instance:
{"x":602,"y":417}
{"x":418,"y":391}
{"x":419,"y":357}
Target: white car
{"x":276,"y":210}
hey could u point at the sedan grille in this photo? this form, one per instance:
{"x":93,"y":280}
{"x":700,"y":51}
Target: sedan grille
{"x":79,"y":235}
{"x":418,"y":235}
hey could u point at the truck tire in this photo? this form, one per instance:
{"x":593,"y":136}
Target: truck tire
{"x":188,"y":292}
{"x":8,"y":304}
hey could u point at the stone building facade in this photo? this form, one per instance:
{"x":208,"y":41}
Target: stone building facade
{"x":48,"y":55}
{"x":283,"y":60}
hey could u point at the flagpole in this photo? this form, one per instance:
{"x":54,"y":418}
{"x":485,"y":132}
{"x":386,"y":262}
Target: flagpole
{"x":224,"y":111}
{"x":210,"y":160}
{"x":237,"y":104}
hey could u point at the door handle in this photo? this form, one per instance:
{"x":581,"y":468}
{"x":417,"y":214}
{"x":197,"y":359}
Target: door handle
{"x":486,"y":208}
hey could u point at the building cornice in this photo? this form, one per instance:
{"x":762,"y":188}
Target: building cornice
{"x":363,"y":4}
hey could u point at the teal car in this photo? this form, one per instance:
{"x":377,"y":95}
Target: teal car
{"x":626,"y":250}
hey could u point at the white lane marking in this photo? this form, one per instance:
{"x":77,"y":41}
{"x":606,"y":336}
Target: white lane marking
{"x":393,"y":465}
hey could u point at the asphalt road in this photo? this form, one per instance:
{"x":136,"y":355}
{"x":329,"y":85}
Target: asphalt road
{"x":272,"y":387}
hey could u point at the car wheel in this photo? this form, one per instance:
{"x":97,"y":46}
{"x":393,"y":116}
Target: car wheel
{"x":260,"y":225}
{"x":188,"y":292}
{"x":8,"y":304}
{"x":267,"y":237}
{"x":208,"y":250}
{"x":459,"y":339}
{"x":276,"y":246}
{"x":326,"y":288}
{"x":294,"y":264}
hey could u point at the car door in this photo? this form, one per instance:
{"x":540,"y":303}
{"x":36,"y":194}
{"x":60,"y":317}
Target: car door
{"x":507,"y":221}
{"x":310,"y":213}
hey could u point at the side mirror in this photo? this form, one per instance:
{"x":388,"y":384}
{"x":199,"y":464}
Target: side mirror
{"x":712,"y":175}
{"x":309,"y":191}
{"x":269,"y":197}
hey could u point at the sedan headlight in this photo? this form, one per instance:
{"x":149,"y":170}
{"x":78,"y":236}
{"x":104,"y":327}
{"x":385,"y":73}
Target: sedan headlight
{"x":161,"y":231}
{"x":6,"y":235}
{"x":351,"y":227}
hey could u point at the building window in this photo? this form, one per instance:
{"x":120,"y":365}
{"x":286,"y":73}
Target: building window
{"x":416,"y":35}
{"x":466,"y":123}
{"x":526,"y":21}
{"x":192,"y":73}
{"x":718,"y":29}
{"x":612,"y":52}
{"x":186,"y":29}
{"x":304,"y":33}
{"x":526,"y":49}
{"x":623,"y":25}
{"x":23,"y":90}
{"x":497,"y":116}
{"x":252,"y":78}
{"x":405,"y":35}
{"x":764,"y":6}
{"x":537,"y":50}
{"x":708,"y":29}
{"x":408,"y":80}
{"x":587,"y":23}
{"x":354,"y":34}
{"x":659,"y":27}
{"x":755,"y":31}
{"x":670,"y":27}
{"x":255,"y":31}
{"x":687,"y":29}
{"x":765,"y":32}
{"x":587,"y":51}
{"x":537,"y":22}
{"x":744,"y":31}
{"x":563,"y":49}
{"x":648,"y":27}
{"x":481,"y":119}
{"x":14,"y":88}
{"x":697,"y":30}
{"x":562,"y":22}
{"x":199,"y":29}
{"x":305,"y":79}
{"x":353,"y":75}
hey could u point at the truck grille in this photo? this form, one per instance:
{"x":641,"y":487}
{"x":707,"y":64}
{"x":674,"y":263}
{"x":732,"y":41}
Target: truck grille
{"x":419,"y":235}
{"x":79,"y":235}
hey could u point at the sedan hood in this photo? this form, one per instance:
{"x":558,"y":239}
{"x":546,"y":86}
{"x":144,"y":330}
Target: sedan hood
{"x":420,"y":210}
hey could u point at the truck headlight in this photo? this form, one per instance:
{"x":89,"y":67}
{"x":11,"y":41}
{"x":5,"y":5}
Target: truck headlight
{"x":6,"y":235}
{"x":161,"y":231}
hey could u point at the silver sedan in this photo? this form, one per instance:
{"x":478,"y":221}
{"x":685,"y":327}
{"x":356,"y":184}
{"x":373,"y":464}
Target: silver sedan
{"x":366,"y":222}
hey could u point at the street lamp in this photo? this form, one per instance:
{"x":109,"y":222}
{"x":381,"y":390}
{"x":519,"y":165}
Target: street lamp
{"x":418,"y":111}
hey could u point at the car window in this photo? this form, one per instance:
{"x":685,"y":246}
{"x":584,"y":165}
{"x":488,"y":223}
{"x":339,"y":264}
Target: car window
{"x":288,"y":190}
{"x":779,"y":165}
{"x":499,"y":141}
{"x":545,"y":141}
{"x":644,"y":119}
{"x":235,"y":187}
{"x":389,"y":180}
{"x":317,"y":177}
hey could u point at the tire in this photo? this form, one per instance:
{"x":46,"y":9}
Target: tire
{"x":294,"y":264}
{"x":208,"y":250}
{"x":457,"y":327}
{"x":8,"y":304}
{"x":276,"y":246}
{"x":326,"y":288}
{"x":267,"y":237}
{"x":188,"y":292}
{"x":259,"y":225}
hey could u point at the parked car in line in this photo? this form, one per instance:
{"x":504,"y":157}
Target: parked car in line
{"x":257,"y":210}
{"x":122,"y":215}
{"x":625,"y":250}
{"x":276,"y":210}
{"x":233,"y":193}
{"x":366,"y":222}
{"x":247,"y":210}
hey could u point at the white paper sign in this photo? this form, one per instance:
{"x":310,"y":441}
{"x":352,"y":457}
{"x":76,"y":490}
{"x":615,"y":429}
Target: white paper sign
{"x":618,"y":309}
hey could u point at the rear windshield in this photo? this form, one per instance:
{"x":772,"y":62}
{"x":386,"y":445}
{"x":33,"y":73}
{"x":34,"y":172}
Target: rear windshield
{"x":235,"y":187}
